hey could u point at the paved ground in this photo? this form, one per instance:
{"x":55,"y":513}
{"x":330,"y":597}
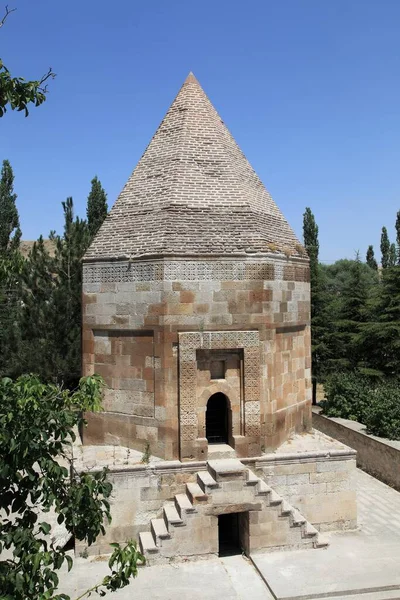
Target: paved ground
{"x":363,"y":560}
{"x":228,"y":578}
{"x":360,"y":565}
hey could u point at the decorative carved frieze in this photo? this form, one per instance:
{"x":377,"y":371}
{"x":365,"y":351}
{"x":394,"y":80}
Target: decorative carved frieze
{"x":189,"y":342}
{"x":212,"y":270}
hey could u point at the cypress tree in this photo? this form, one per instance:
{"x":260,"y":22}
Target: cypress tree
{"x":52,"y":304}
{"x":318,"y":316}
{"x":11,"y":263}
{"x":67,"y":296}
{"x":38,"y":352}
{"x":392,"y":255}
{"x":311,"y":243}
{"x":385,"y":248}
{"x":97,"y":207}
{"x":370,"y":258}
{"x":9,"y":218}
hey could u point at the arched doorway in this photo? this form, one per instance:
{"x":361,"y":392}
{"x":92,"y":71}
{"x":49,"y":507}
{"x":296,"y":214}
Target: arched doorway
{"x":217,"y":422}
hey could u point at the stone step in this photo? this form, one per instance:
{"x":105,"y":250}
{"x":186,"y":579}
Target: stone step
{"x":217,"y":451}
{"x":171,"y":516}
{"x":310,"y":531}
{"x":263,"y":489}
{"x":274,"y":498}
{"x":206,"y":482}
{"x":195,"y":493}
{"x":183,"y":505}
{"x":286,"y":509}
{"x":321,"y":541}
{"x":226,"y":469}
{"x":297,"y":519}
{"x":159,"y":530}
{"x":252,"y":479}
{"x":147,"y":543}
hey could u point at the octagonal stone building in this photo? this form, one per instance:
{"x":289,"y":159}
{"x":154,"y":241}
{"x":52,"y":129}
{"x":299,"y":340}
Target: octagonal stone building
{"x":196,"y":300}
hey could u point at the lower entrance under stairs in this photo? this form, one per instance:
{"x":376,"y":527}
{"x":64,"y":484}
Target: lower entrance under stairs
{"x":231,"y":533}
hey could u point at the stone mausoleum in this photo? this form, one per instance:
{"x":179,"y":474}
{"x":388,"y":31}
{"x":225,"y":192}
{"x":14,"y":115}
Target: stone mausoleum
{"x":196,"y":311}
{"x":196,"y":300}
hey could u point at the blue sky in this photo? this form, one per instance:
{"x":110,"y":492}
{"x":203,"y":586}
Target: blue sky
{"x":310,"y":89}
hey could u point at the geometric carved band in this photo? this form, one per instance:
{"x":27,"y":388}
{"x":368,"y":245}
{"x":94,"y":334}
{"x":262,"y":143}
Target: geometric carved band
{"x":189,"y":342}
{"x":193,"y":270}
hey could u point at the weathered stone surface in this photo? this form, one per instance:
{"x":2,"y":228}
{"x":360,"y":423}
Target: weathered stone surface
{"x":195,"y":285}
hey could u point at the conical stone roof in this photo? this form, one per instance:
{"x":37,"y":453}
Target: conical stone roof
{"x":193,"y":192}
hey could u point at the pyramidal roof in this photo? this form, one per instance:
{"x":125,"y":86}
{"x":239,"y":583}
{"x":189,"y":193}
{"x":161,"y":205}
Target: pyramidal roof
{"x":193,"y":192}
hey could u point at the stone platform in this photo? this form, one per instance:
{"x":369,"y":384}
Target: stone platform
{"x":363,"y":561}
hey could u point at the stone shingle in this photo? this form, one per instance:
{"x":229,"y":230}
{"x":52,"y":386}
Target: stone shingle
{"x":193,"y":192}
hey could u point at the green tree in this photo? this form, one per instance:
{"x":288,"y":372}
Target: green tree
{"x":370,"y":258}
{"x":11,"y":264}
{"x":10,"y":233}
{"x":97,"y":207}
{"x":392,"y":255}
{"x":342,"y":319}
{"x":398,"y":236}
{"x":381,"y":335}
{"x":351,"y":314}
{"x":51,"y":306}
{"x":385,"y":248}
{"x":37,"y":427}
{"x":11,"y":269}
{"x":17,"y":93}
{"x":318,"y":316}
{"x":38,"y":352}
{"x":67,"y":297}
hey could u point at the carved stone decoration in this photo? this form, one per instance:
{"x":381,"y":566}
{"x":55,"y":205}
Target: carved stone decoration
{"x":189,"y":342}
{"x":218,"y":270}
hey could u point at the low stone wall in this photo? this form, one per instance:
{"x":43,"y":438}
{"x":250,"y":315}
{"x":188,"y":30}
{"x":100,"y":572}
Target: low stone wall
{"x":321,"y":486}
{"x":318,"y":484}
{"x":377,"y":456}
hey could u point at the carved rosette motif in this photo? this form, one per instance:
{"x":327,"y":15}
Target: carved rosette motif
{"x":189,"y":342}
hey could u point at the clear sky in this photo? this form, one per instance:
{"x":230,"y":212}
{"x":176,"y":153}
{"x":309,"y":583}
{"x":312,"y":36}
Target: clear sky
{"x":310,"y":89}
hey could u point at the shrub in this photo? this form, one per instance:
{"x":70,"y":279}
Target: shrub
{"x":346,"y":396}
{"x":375,"y":404}
{"x":382,"y":415}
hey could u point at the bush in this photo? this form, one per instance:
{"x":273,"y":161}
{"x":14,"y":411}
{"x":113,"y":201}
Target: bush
{"x":359,"y":398}
{"x":382,"y":415}
{"x":346,"y":396}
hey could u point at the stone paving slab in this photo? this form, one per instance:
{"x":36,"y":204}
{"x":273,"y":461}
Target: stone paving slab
{"x":359,"y":562}
{"x":246,"y":581}
{"x":228,"y":578}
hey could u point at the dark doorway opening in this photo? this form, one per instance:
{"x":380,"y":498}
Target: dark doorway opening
{"x":228,"y":535}
{"x":217,"y":419}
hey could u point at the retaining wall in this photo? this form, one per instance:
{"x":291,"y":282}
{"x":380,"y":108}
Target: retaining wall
{"x":377,"y":456}
{"x":318,"y":484}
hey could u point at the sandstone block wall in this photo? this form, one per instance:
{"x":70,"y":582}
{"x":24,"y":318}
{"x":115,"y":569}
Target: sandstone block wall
{"x":323,"y":490}
{"x":133,"y":314}
{"x":319,"y":486}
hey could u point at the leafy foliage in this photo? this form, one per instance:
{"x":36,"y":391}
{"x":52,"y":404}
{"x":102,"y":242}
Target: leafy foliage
{"x":385,"y":248}
{"x":374,"y":403}
{"x":37,"y":425}
{"x":40,"y":296}
{"x":10,"y":233}
{"x":370,"y":258}
{"x":97,"y":207}
{"x":17,"y":93}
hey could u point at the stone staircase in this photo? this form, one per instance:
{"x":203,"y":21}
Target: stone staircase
{"x":188,"y":525}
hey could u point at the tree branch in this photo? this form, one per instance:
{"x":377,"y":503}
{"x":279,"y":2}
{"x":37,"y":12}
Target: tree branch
{"x":50,"y":74}
{"x":8,"y":12}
